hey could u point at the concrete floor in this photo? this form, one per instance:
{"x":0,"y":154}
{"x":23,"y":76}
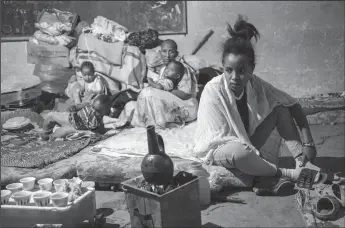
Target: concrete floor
{"x":258,"y":211}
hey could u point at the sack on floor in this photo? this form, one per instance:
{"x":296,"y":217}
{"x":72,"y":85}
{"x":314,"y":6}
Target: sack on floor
{"x":46,"y":54}
{"x":55,"y":78}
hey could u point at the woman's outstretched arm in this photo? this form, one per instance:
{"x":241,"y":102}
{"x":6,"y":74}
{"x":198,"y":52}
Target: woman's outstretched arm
{"x":301,"y":120}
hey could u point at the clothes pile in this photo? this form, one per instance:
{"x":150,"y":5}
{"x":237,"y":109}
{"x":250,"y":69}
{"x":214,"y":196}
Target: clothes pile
{"x":55,"y":26}
{"x":49,"y":49}
{"x":63,"y":42}
{"x":104,"y":44}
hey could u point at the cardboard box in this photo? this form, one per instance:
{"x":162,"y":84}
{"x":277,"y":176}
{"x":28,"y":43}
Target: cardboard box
{"x":46,"y":54}
{"x":177,"y":208}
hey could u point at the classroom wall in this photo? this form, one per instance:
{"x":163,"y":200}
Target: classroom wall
{"x":301,"y":49}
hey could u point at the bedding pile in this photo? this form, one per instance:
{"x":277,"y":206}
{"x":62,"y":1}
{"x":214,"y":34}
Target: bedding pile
{"x":63,"y":40}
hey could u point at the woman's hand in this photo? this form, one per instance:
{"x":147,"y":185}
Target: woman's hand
{"x":72,"y":108}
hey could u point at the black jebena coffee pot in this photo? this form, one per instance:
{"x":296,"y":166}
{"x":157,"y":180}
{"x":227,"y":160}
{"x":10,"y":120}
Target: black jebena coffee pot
{"x":156,"y":167}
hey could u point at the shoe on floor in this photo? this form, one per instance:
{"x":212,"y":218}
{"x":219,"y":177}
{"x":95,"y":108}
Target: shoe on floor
{"x":272,"y":186}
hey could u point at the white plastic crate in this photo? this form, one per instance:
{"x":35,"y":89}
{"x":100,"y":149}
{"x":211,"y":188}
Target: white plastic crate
{"x":81,"y":209}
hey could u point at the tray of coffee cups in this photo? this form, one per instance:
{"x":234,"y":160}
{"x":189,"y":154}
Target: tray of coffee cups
{"x":52,"y":197}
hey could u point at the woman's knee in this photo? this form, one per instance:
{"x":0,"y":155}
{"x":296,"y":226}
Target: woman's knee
{"x":231,"y":152}
{"x":281,"y":110}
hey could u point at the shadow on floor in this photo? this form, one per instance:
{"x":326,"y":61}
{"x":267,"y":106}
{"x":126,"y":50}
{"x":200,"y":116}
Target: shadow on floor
{"x":333,"y":164}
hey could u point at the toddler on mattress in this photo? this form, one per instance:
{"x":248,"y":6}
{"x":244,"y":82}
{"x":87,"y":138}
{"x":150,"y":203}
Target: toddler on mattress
{"x":85,"y":116}
{"x":86,"y":86}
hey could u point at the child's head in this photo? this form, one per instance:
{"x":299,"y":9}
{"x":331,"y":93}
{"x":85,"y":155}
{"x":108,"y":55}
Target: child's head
{"x":88,"y":71}
{"x":169,"y":51}
{"x":102,"y":105}
{"x":174,"y":70}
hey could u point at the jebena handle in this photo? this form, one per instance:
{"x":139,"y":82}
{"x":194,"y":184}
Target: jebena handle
{"x":160,"y":144}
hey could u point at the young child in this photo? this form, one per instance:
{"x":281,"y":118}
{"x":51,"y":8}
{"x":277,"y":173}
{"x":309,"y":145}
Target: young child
{"x":169,"y":76}
{"x":84,"y":87}
{"x":85,"y":116}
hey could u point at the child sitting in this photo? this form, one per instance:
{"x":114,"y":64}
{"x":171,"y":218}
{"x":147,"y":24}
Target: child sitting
{"x":85,"y":116}
{"x":168,"y":78}
{"x":87,"y":86}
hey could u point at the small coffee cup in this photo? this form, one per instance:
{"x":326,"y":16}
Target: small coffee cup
{"x":5,"y":196}
{"x":41,"y":199}
{"x":28,"y":183}
{"x":15,"y":187}
{"x":59,"y":199}
{"x":22,"y":198}
{"x":60,"y":184}
{"x":45,"y":184}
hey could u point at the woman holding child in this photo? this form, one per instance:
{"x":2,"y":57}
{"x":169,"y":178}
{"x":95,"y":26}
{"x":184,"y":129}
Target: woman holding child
{"x":164,"y":102}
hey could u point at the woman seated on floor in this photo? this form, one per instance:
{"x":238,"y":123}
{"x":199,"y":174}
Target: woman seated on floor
{"x":238,"y":111}
{"x":161,"y":108}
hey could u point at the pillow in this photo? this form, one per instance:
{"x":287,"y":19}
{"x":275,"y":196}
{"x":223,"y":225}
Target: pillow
{"x":153,"y":57}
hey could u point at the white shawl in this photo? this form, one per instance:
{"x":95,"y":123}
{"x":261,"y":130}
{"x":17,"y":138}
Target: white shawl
{"x":219,"y":121}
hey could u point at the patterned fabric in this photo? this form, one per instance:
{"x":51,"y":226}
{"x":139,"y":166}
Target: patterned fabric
{"x":29,"y":152}
{"x":144,"y":39}
{"x":219,"y":121}
{"x":85,"y":119}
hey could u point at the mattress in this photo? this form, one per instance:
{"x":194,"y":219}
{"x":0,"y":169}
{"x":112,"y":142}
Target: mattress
{"x":123,"y":160}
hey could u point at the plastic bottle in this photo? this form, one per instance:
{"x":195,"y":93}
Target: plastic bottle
{"x":196,"y":169}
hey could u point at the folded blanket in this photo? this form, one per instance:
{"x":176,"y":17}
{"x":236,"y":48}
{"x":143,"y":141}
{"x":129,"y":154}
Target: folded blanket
{"x":110,"y":51}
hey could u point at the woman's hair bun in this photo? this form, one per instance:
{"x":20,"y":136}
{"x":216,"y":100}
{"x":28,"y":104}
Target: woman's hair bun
{"x":243,"y":30}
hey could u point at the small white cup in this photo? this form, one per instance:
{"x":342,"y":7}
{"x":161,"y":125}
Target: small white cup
{"x":45,"y":184}
{"x":59,"y":199}
{"x":5,"y":196}
{"x":60,"y":184}
{"x":41,"y":199}
{"x":28,"y":183}
{"x":15,"y":187}
{"x":22,"y":198}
